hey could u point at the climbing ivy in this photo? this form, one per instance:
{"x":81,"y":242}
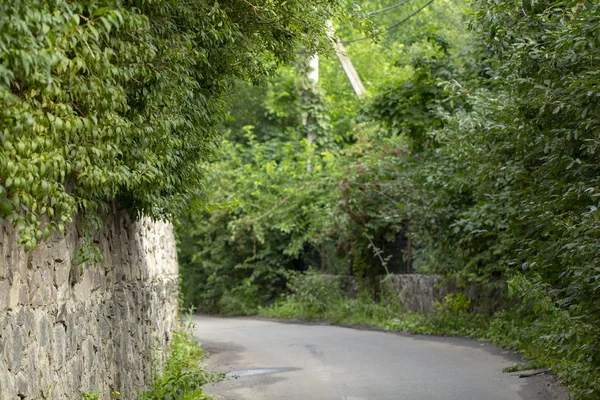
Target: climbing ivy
{"x":105,"y":100}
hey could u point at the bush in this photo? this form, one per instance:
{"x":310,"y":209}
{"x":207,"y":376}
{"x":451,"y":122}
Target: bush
{"x":544,"y":329}
{"x":315,"y":292}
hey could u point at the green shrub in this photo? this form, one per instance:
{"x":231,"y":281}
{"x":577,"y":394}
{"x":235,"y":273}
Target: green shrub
{"x":91,"y":396}
{"x":315,"y":292}
{"x":469,"y":325}
{"x":546,"y":330}
{"x":454,"y":304}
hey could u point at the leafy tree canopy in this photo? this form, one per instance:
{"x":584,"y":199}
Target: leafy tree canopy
{"x":106,"y":100}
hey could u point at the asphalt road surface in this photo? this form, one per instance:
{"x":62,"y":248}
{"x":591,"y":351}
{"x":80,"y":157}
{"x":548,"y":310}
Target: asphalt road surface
{"x":268,"y":360}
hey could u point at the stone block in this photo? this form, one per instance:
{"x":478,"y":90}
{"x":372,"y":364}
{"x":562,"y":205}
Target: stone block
{"x":87,"y":351}
{"x":23,"y":295}
{"x":71,"y":335}
{"x":13,"y":294}
{"x":4,"y":296}
{"x":3,"y":267}
{"x":58,"y":354}
{"x":23,"y":388}
{"x":44,"y":374}
{"x":8,"y":387}
{"x":16,"y":350}
{"x":75,"y":372}
{"x":61,"y":252}
{"x":41,"y":296}
{"x":47,"y":276}
{"x":26,"y":319}
{"x":5,"y":346}
{"x":61,"y":273}
{"x":39,"y":258}
{"x":63,"y":293}
{"x":43,"y":333}
{"x":104,"y":327}
{"x":83,"y":288}
{"x":33,"y":365}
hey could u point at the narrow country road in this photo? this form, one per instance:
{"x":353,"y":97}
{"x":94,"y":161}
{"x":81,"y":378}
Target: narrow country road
{"x":274,"y":360}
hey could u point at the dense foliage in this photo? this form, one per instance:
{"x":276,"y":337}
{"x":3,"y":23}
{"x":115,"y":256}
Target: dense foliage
{"x":277,"y":215}
{"x":270,"y":208}
{"x":106,"y":100}
{"x":483,"y":151}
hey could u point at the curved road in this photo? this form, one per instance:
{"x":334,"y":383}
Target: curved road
{"x":275,"y":360}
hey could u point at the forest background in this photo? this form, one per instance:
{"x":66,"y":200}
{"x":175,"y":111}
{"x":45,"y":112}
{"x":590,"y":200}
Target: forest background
{"x":476,"y":141}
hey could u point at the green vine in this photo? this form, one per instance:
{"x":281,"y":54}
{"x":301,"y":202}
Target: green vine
{"x":106,"y":100}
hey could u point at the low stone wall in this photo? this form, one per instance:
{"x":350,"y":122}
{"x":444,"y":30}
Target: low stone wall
{"x":66,"y":331}
{"x":419,"y":293}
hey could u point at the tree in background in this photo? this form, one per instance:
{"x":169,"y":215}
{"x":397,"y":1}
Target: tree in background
{"x":331,"y":219}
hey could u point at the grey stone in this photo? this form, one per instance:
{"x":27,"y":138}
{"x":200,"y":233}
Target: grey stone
{"x":13,"y":294}
{"x":41,"y":296}
{"x":58,"y":345}
{"x":7,"y":384}
{"x":87,"y":350}
{"x":23,"y":387}
{"x":44,"y":375}
{"x":83,"y":287}
{"x":47,"y":277}
{"x":63,"y":293}
{"x":23,"y":295}
{"x":16,"y":352}
{"x":4,"y":296}
{"x":9,"y":271}
{"x":61,"y":274}
{"x":61,"y":316}
{"x":35,"y":278}
{"x":43,"y":331}
{"x":3,"y":268}
{"x":104,"y":327}
{"x":5,"y":347}
{"x":26,"y":319}
{"x":76,"y":372}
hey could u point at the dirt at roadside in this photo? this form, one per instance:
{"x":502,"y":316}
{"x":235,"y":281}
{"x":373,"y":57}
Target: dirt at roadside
{"x":545,"y":386}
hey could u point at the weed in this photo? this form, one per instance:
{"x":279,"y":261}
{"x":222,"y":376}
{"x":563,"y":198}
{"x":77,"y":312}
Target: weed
{"x":182,"y":376}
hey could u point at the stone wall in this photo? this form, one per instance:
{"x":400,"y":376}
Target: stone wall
{"x":65,"y":331}
{"x":419,"y":292}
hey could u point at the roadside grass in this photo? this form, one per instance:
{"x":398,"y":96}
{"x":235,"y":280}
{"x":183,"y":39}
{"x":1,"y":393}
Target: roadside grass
{"x":528,"y":365}
{"x":183,"y":375}
{"x":314,"y":298}
{"x":363,"y":311}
